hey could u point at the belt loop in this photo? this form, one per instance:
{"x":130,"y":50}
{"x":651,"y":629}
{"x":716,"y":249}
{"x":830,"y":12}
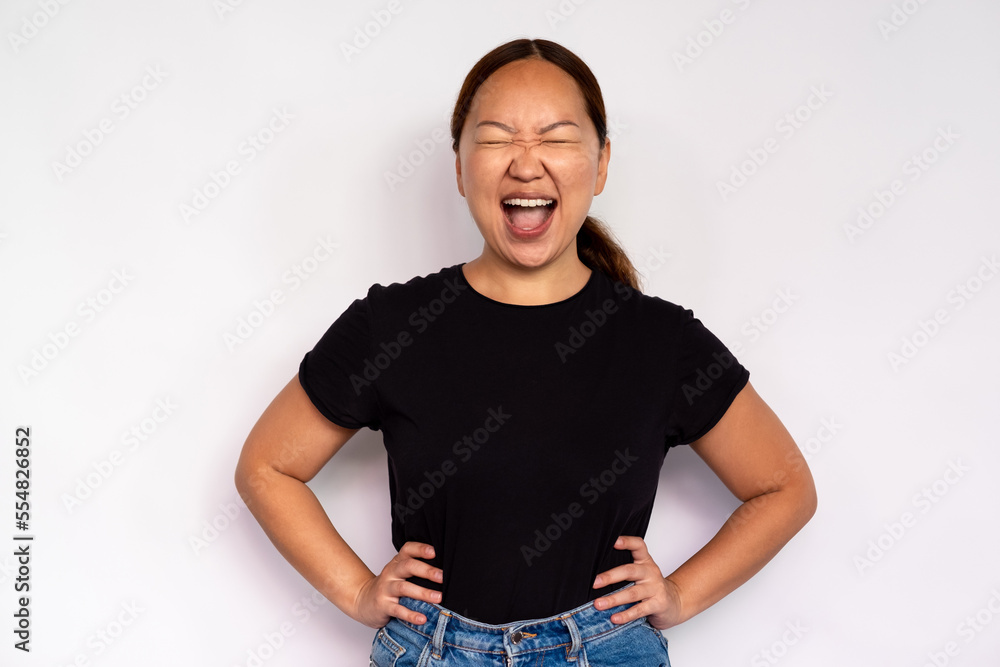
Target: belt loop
{"x":574,"y":633}
{"x":438,"y":641}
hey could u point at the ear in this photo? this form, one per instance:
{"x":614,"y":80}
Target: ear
{"x":602,"y":166}
{"x":458,"y":173}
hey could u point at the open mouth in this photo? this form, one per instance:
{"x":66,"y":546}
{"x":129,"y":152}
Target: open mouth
{"x":528,"y":216}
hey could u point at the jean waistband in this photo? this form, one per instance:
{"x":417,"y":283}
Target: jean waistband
{"x":567,"y":629}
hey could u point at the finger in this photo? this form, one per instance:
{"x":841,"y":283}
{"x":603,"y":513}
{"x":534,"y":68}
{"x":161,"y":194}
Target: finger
{"x":417,"y":550}
{"x":406,"y":614}
{"x":425,"y":571}
{"x":630,"y":614}
{"x":630,"y":594}
{"x":627,"y":572}
{"x":406,"y":567}
{"x":636,"y":545}
{"x":639,"y":553}
{"x":640,"y":598}
{"x":411,"y":590}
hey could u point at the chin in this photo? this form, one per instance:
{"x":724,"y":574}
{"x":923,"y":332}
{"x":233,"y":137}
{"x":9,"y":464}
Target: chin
{"x":529,"y":255}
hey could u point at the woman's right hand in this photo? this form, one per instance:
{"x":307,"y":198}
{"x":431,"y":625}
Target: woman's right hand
{"x":378,"y":599}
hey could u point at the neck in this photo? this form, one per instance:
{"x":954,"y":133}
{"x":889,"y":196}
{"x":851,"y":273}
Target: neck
{"x":526,"y":286}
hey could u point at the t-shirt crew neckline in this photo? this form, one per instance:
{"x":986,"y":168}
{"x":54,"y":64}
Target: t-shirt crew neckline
{"x":586,"y":287}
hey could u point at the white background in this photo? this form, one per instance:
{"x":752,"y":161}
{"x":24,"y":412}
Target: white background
{"x":140,"y":536}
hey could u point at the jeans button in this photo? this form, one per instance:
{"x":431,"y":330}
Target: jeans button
{"x":516,"y":638}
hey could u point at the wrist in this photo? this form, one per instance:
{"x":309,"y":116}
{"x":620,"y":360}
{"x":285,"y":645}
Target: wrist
{"x":676,"y":595}
{"x":347,"y":594}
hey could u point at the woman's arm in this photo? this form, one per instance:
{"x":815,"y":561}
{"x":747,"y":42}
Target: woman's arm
{"x":287,"y":446}
{"x":755,"y":457}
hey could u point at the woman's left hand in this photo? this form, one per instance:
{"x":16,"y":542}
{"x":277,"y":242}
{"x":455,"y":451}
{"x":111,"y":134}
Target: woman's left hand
{"x":656,"y":597}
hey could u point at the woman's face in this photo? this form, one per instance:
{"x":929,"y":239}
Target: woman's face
{"x":529,"y":162}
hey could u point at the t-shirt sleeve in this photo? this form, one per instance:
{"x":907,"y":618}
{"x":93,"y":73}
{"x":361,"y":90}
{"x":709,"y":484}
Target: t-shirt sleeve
{"x":333,"y":372}
{"x":708,"y":377}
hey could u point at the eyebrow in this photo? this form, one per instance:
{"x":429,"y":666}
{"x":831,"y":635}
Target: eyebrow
{"x":547,"y":128}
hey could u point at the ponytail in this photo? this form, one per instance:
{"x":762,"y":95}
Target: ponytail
{"x":599,"y":251}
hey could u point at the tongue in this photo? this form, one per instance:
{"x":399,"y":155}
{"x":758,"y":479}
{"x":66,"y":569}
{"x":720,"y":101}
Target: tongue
{"x":527,"y":217}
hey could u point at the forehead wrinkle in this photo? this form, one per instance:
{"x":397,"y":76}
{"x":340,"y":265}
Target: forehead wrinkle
{"x":511,"y":130}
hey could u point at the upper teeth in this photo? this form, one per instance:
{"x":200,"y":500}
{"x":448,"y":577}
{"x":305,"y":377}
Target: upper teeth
{"x":528,"y":202}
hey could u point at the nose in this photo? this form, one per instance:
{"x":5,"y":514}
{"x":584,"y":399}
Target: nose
{"x":525,"y":165}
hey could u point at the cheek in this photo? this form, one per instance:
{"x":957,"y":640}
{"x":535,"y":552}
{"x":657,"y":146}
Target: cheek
{"x":483,"y":169}
{"x":573,"y":170}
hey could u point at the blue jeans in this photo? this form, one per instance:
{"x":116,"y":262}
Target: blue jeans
{"x":583,"y":637}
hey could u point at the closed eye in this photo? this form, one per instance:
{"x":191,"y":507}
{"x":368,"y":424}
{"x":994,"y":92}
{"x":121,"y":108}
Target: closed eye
{"x":496,"y":142}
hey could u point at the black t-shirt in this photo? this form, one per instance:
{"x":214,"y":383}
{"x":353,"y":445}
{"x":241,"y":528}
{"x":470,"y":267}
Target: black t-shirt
{"x":521,"y":440}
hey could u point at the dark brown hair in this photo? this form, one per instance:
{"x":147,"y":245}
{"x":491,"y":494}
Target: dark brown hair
{"x":595,"y":244}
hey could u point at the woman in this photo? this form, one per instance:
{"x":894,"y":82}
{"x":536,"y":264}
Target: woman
{"x":527,"y":399}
